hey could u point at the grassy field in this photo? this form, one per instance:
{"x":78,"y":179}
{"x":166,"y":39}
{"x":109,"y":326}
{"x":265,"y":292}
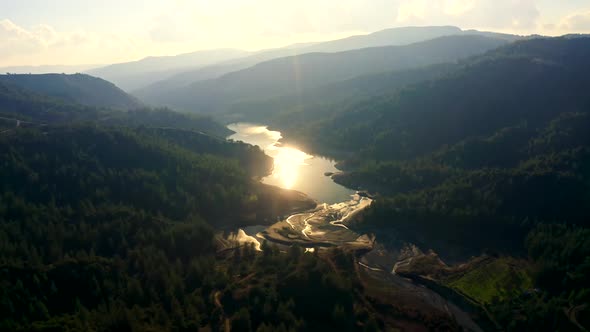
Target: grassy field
{"x":499,"y":278}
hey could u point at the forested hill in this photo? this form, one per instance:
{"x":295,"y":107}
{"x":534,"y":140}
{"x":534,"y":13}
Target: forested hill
{"x":77,"y":88}
{"x":298,"y":74}
{"x":34,"y":109}
{"x":175,"y":173}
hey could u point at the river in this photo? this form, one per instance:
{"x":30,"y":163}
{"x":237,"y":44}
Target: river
{"x":293,"y":168}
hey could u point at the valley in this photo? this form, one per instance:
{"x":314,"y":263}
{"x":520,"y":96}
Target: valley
{"x":420,"y":178}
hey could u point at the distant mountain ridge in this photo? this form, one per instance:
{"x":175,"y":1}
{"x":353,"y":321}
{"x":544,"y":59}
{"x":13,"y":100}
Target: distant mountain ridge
{"x":136,"y":74}
{"x":47,"y":69}
{"x":297,"y":74}
{"x":77,"y":88}
{"x":387,"y":37}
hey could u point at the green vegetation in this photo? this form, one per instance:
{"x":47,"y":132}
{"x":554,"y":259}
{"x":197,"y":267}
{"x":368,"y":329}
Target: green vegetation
{"x":111,"y":230}
{"x":561,"y":268}
{"x":499,"y":280}
{"x":39,"y":109}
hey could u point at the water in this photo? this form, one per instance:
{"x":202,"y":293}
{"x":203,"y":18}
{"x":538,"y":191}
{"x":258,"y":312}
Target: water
{"x":293,"y":168}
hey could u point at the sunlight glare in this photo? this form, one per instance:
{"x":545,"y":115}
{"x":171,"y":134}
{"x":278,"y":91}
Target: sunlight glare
{"x":287,"y":162}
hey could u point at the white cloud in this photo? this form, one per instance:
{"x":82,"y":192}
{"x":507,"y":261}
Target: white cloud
{"x":515,"y":15}
{"x":16,"y":40}
{"x":458,"y":7}
{"x":42,"y":44}
{"x":164,"y":27}
{"x":577,"y":22}
{"x":249,"y":22}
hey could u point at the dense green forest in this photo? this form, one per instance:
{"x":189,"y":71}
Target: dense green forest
{"x":116,"y":229}
{"x":112,"y":229}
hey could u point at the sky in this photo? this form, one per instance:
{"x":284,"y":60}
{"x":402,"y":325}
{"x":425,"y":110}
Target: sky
{"x":75,"y":32}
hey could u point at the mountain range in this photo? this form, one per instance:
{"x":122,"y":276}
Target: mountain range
{"x":300,"y":73}
{"x":387,"y":37}
{"x":133,"y":75}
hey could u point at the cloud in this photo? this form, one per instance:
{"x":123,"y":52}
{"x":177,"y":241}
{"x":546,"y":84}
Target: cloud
{"x":172,"y":27}
{"x":491,"y":14}
{"x":577,"y":22}
{"x":42,"y":44}
{"x":458,"y":7}
{"x":274,"y":19}
{"x":16,"y":40}
{"x":164,"y":27}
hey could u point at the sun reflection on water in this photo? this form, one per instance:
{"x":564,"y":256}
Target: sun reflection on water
{"x":287,"y":160}
{"x":287,"y":163}
{"x":293,"y":168}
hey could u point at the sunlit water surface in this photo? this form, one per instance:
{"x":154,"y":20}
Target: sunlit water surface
{"x":293,"y":168}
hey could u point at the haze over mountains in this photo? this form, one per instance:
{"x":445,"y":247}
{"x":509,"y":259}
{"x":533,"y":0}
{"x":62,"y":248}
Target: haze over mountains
{"x":47,"y":69}
{"x":177,"y":71}
{"x":388,"y":37}
{"x":79,"y":88}
{"x":133,"y":75}
{"x":298,"y":74}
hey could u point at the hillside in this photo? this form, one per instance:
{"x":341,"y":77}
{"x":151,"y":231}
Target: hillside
{"x":77,"y":88}
{"x":319,"y":103}
{"x":299,"y":74}
{"x":525,"y":81}
{"x":19,"y":107}
{"x":137,"y":74}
